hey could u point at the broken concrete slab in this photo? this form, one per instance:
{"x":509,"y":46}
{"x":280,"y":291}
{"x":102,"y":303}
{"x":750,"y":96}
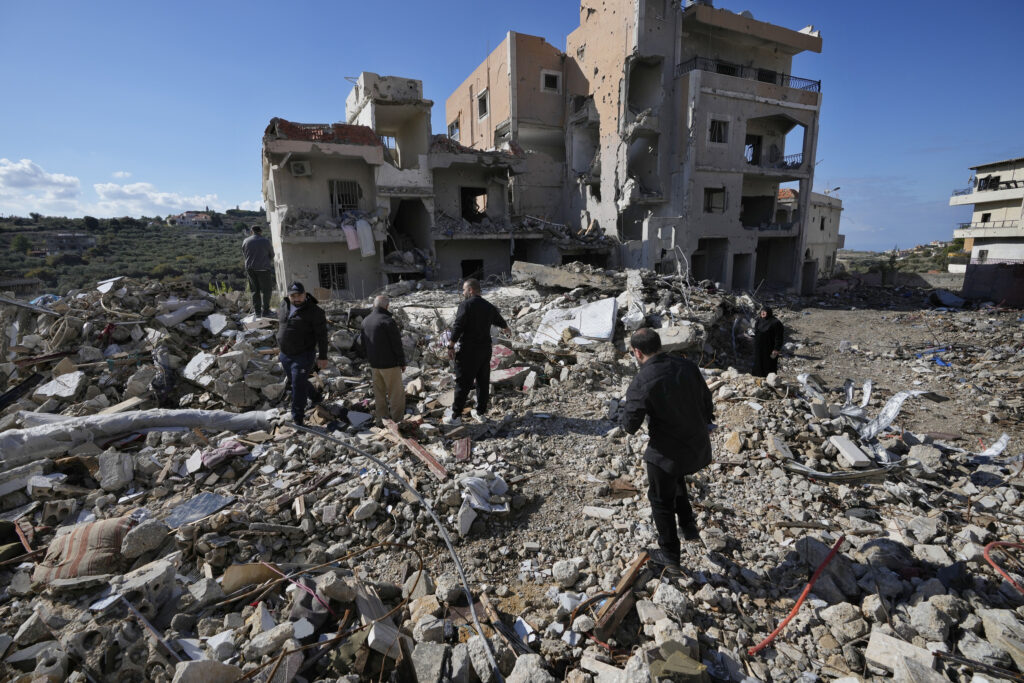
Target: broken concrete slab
{"x":850,"y":453}
{"x":883,"y":651}
{"x":546,"y":276}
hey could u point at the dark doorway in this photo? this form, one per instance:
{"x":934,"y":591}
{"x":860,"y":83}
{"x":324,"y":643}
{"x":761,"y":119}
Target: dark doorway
{"x":752,"y":149}
{"x":473,"y":268}
{"x":474,"y":203}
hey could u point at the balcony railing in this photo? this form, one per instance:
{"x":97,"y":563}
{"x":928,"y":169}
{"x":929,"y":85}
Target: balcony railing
{"x":1003,"y":185}
{"x":790,"y":161}
{"x":749,"y":72}
{"x":988,"y":224}
{"x":986,"y":261}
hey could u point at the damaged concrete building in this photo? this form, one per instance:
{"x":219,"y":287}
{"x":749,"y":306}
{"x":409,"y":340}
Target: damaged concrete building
{"x":670,"y":127}
{"x":994,"y":236}
{"x":353,"y":206}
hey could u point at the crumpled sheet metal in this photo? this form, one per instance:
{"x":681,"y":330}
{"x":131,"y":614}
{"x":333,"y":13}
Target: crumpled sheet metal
{"x":888,"y":414}
{"x":19,"y":446}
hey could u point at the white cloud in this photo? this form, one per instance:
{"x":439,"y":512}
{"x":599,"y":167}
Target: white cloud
{"x":26,"y":187}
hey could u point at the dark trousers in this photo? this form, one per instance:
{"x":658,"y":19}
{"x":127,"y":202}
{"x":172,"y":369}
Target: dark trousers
{"x":669,"y":503}
{"x":472,"y":366}
{"x":297,"y":369}
{"x":261,"y":282}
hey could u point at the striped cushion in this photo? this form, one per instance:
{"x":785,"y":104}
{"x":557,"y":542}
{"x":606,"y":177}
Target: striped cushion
{"x":86,"y":550}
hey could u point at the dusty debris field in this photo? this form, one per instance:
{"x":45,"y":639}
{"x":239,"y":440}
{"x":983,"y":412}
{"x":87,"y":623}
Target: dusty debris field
{"x":244,"y":547}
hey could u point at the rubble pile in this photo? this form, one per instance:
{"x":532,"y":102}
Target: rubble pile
{"x":160,"y":521}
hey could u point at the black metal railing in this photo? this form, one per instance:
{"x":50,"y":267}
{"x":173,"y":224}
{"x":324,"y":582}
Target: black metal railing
{"x":790,"y":161}
{"x":988,"y":224}
{"x":961,"y":193}
{"x":990,"y":186}
{"x":752,"y":73}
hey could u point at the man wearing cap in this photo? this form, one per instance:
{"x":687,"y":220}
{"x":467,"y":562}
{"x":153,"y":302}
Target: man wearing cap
{"x":301,"y":334}
{"x":259,"y":267}
{"x":672,"y":394}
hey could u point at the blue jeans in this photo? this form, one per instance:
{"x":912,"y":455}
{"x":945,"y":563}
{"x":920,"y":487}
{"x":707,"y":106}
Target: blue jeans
{"x":297,"y":368}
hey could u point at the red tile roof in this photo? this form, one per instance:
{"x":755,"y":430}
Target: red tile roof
{"x":338,"y":133}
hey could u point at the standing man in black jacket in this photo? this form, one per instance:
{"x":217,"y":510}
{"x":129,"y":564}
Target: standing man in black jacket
{"x":382,"y":341}
{"x":259,"y":267}
{"x":672,"y":394}
{"x":472,"y":327}
{"x":301,"y":333}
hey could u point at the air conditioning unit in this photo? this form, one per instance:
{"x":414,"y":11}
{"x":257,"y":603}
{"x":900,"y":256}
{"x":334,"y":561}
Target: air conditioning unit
{"x":300,"y":168}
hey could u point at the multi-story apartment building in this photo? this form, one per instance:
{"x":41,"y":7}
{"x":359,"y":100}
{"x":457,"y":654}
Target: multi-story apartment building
{"x":995,"y":234}
{"x":353,"y":206}
{"x":671,"y":128}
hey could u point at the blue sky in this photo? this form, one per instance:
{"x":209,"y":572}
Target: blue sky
{"x":140,"y":108}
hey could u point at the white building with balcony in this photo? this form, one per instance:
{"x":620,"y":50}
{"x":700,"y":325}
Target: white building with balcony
{"x":995,"y":234}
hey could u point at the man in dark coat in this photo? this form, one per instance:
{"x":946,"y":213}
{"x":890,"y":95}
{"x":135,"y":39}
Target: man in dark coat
{"x":259,"y":268}
{"x":472,"y":330}
{"x":302,"y":338}
{"x":382,"y":341}
{"x":768,"y":333}
{"x":670,"y":392}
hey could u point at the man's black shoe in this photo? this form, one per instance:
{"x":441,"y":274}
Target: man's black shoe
{"x":690,"y":532}
{"x":663,"y":561}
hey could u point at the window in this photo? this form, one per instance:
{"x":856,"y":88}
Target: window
{"x":986,"y":217}
{"x":473,"y":268}
{"x":482,"y":104}
{"x":714,"y":200}
{"x":345,"y":195}
{"x":474,"y":203}
{"x":726,"y":69}
{"x":333,"y":276}
{"x":983,"y":254}
{"x":550,"y":81}
{"x":453,"y":130}
{"x":766,"y":75}
{"x":989,"y":182}
{"x":719,"y":131}
{"x":822,"y":222}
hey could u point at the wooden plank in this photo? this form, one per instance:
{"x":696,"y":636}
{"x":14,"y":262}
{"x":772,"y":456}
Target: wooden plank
{"x":419,"y":451}
{"x":625,"y":583}
{"x":123,"y":406}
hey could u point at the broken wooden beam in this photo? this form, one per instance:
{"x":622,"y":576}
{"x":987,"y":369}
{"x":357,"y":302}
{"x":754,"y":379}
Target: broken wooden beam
{"x":416,"y":449}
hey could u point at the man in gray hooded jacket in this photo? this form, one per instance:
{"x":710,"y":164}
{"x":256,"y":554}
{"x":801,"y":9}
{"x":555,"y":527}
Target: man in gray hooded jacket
{"x":259,"y":267}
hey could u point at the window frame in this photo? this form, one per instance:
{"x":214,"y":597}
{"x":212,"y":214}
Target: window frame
{"x":455,"y":127}
{"x":331,"y":270}
{"x":485,"y":97}
{"x":334,"y":195}
{"x":544,"y":74}
{"x":723,"y":128}
{"x":710,"y":194}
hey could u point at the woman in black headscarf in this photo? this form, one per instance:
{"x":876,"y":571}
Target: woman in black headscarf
{"x":767,"y":343}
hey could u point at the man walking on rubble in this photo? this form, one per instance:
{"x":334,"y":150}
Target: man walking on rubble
{"x":382,"y":341}
{"x":472,"y":331}
{"x":301,"y":334}
{"x":259,"y":267}
{"x":671,"y":392}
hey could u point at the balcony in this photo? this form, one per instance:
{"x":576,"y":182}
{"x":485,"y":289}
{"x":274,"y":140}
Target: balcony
{"x":988,"y":192}
{"x":988,"y":229}
{"x":789,"y":162}
{"x":748,"y":72}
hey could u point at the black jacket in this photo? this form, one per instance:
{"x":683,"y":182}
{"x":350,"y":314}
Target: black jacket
{"x":304,"y":331}
{"x":473,"y":322}
{"x":382,"y":340}
{"x":673,"y":394}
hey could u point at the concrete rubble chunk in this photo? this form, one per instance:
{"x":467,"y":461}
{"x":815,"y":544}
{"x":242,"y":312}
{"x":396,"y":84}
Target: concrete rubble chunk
{"x":883,"y":651}
{"x":205,"y":671}
{"x":428,"y":661}
{"x":64,"y":388}
{"x":530,"y":669}
{"x":141,"y":539}
{"x":850,"y":453}
{"x":116,"y":470}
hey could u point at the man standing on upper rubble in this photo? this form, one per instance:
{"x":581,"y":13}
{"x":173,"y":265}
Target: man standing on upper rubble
{"x":670,"y":392}
{"x":302,"y":332}
{"x":382,"y":341}
{"x":259,"y":267}
{"x":472,"y":327}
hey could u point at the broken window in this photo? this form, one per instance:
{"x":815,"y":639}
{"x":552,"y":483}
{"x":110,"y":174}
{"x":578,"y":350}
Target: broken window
{"x":550,"y":81}
{"x":482,"y":102}
{"x":719,"y":131}
{"x":345,"y":195}
{"x":595,"y":191}
{"x":986,"y":217}
{"x":474,"y":203}
{"x":333,"y":276}
{"x":822,"y":222}
{"x":989,"y":182}
{"x":767,"y":75}
{"x":453,"y":130}
{"x":983,"y":254}
{"x":752,"y":149}
{"x":714,"y":200}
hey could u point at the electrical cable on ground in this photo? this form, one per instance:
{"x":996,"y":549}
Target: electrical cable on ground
{"x":800,"y":601}
{"x":437,"y":522}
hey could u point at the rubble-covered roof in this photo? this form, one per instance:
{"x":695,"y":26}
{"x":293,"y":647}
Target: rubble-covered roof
{"x":337,"y":133}
{"x":442,"y":144}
